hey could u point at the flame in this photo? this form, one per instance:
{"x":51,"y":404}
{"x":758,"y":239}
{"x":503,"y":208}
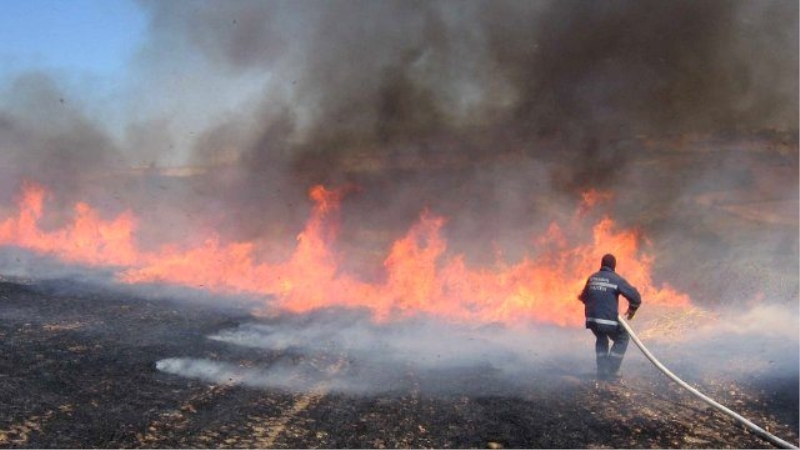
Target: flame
{"x":87,"y":240}
{"x":421,"y":276}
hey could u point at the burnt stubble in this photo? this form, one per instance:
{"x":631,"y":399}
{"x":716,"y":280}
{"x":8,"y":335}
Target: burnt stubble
{"x":79,"y":370}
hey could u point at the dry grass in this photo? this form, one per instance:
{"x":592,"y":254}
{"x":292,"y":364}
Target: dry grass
{"x":672,"y":325}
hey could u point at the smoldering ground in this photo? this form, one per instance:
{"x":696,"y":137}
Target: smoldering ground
{"x":344,"y":352}
{"x":90,"y":357}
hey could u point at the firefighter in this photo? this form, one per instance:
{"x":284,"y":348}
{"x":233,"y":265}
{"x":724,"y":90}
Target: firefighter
{"x":601,"y":299}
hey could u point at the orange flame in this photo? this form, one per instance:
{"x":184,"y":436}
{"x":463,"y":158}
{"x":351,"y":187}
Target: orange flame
{"x":88,"y":240}
{"x":421,"y":277}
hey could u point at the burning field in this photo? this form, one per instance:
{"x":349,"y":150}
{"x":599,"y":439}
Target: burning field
{"x":274,"y":249}
{"x":110,"y":344}
{"x":86,"y":366}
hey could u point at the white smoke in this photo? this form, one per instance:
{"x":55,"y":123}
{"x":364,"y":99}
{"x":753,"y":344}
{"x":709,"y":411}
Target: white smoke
{"x":345,"y":352}
{"x":358,"y":356}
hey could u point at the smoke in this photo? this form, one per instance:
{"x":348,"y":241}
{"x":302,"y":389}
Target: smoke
{"x":413,"y":77}
{"x":493,"y":114}
{"x":341,"y":352}
{"x":395,"y":75}
{"x":496,"y":115}
{"x":458,"y":106}
{"x":46,"y":137}
{"x":296,"y":89}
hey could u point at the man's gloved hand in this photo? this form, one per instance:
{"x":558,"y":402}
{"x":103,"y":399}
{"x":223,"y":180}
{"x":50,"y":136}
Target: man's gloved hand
{"x":629,"y":315}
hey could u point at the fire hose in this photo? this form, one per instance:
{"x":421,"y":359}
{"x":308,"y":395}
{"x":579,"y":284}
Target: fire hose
{"x":755,"y":428}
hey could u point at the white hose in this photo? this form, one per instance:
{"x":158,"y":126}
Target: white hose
{"x":755,"y":428}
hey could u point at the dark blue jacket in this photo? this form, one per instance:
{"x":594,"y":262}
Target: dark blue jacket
{"x":601,"y":298}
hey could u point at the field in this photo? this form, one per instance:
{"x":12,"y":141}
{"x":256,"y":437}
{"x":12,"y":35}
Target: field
{"x":79,"y":370}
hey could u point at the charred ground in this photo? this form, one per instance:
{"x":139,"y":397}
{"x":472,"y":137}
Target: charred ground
{"x":79,"y":370}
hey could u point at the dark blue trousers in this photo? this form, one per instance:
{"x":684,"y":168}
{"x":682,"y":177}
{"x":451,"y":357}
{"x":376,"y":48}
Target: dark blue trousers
{"x":609,"y":360}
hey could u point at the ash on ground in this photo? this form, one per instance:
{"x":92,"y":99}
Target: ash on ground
{"x":89,"y":366}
